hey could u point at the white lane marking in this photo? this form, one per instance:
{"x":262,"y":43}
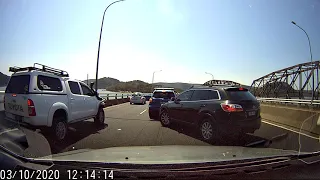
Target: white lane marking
{"x":317,"y":138}
{"x":143,"y":111}
{"x":118,"y":105}
{"x":9,"y":130}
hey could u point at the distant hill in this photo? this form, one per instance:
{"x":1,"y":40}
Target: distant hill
{"x":133,"y":86}
{"x":113,"y":84}
{"x":177,"y":85}
{"x":104,"y":83}
{"x":4,"y":79}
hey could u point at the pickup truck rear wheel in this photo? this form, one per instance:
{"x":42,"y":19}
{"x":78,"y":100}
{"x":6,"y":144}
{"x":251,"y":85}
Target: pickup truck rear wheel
{"x":99,"y":119}
{"x":59,"y":128}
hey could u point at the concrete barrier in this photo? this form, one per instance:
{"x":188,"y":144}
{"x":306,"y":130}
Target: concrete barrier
{"x":297,"y":118}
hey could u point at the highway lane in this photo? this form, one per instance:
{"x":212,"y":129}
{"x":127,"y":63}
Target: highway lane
{"x":129,"y":125}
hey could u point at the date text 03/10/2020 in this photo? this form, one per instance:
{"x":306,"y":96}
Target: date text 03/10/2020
{"x":29,"y":174}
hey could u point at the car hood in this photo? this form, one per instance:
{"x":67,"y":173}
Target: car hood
{"x":167,"y":154}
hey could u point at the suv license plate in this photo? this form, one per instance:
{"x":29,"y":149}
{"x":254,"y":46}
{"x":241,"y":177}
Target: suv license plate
{"x":251,"y":113}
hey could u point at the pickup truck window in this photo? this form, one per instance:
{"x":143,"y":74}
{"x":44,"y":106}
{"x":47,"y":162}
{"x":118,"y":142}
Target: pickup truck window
{"x":49,"y":83}
{"x":74,"y":87}
{"x":85,"y":90}
{"x":18,"y":84}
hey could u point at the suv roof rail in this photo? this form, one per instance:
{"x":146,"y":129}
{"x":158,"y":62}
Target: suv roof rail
{"x":43,"y":68}
{"x":221,"y":83}
{"x":197,"y":86}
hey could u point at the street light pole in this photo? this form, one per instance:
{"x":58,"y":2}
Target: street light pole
{"x":210,"y":74}
{"x":97,"y":68}
{"x":88,"y":79}
{"x":310,"y":56}
{"x":153,"y":75}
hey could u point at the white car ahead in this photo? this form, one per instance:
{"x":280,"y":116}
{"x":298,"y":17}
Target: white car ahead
{"x":44,"y":97}
{"x":137,"y":98}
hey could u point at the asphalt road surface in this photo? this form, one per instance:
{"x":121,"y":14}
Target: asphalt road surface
{"x":129,"y":125}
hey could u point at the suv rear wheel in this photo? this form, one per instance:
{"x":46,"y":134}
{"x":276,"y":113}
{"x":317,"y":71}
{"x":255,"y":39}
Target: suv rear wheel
{"x":208,"y":130}
{"x":165,"y":118}
{"x":59,"y":128}
{"x":100,"y":117}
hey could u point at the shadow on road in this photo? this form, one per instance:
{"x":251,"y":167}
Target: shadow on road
{"x":76,"y":132}
{"x":248,"y":140}
{"x":137,"y":104}
{"x":125,"y":119}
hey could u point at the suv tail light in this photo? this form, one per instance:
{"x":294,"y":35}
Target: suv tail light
{"x":31,"y":108}
{"x":231,"y":107}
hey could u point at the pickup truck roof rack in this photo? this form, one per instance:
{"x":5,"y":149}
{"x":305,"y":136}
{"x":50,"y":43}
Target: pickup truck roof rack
{"x":221,"y":83}
{"x":42,"y":68}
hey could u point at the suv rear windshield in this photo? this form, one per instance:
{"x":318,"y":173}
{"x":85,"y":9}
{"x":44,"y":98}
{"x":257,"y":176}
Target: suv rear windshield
{"x":18,"y":84}
{"x":236,"y":94}
{"x":165,"y":95}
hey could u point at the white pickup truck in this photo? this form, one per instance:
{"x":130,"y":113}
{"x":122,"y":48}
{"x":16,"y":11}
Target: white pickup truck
{"x":46,"y":97}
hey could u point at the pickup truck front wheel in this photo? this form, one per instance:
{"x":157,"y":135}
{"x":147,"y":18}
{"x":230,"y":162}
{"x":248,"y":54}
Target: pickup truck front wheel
{"x":59,"y":128}
{"x":99,"y":119}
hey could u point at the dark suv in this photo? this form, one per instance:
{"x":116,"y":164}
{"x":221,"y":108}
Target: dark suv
{"x":214,"y":110}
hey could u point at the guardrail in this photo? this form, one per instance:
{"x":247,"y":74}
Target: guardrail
{"x":106,"y":96}
{"x":290,"y":101}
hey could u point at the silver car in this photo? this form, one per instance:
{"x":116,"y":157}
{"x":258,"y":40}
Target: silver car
{"x":137,"y":98}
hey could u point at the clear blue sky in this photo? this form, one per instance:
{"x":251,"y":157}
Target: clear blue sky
{"x":235,"y":40}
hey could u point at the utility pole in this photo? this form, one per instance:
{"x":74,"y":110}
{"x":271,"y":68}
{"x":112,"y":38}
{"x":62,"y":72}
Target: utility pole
{"x":88,"y":79}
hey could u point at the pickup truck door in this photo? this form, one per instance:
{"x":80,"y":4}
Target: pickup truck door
{"x":76,"y":102}
{"x":90,"y":101}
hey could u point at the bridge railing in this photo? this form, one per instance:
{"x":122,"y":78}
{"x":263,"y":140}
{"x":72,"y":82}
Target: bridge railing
{"x":107,"y":96}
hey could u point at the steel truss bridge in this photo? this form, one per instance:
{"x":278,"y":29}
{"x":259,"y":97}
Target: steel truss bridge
{"x":296,"y":82}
